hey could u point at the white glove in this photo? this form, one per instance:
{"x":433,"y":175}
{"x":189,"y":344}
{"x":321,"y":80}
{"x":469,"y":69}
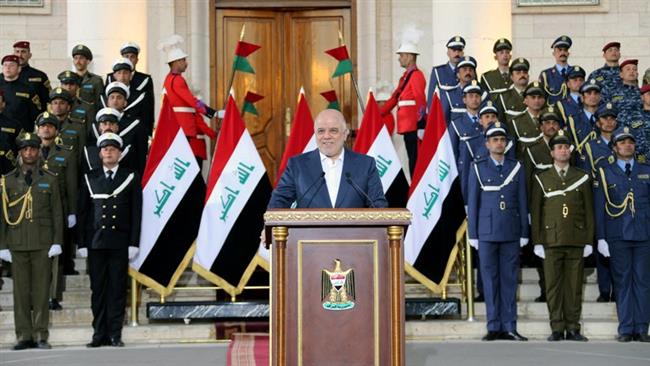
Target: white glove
{"x":133,"y":252}
{"x":5,"y":255}
{"x":465,"y":210}
{"x":603,"y":247}
{"x":221,"y":113}
{"x":523,"y":242}
{"x":55,"y":250}
{"x":72,"y":221}
{"x":473,"y":243}
{"x":588,"y":250}
{"x":530,"y":220}
{"x":539,"y":251}
{"x":82,"y":252}
{"x":421,"y":134}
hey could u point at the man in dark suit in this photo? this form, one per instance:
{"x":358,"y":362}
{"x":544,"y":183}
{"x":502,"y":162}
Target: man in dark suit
{"x":109,"y":233}
{"x":330,"y":176}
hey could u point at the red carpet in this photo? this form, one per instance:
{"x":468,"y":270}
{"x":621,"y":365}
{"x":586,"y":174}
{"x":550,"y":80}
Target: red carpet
{"x":248,"y":349}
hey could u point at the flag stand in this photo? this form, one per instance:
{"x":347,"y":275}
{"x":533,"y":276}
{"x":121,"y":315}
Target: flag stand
{"x":469,"y":286}
{"x":134,"y":302}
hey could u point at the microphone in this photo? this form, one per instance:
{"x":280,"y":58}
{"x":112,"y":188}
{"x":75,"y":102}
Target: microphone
{"x":319,"y":179}
{"x":348,"y":178}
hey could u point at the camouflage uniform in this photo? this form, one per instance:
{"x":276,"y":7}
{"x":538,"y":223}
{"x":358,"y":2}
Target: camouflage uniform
{"x":609,"y":79}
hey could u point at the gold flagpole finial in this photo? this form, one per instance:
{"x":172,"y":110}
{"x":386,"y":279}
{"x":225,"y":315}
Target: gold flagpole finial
{"x":243,"y":31}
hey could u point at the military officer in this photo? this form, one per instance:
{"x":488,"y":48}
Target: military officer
{"x":511,"y":102}
{"x":621,"y":198}
{"x":22,"y":103}
{"x":452,"y":99}
{"x":562,"y":221}
{"x":111,"y":204}
{"x":608,"y":76}
{"x":30,"y":235}
{"x":498,"y":80}
{"x":9,"y":130}
{"x":37,"y":79}
{"x":139,"y":84}
{"x":82,"y":111}
{"x":645,"y":111}
{"x":410,"y":102}
{"x":537,"y":157}
{"x":571,"y":104}
{"x":598,"y":150}
{"x":488,"y":114}
{"x":138,"y":99}
{"x":71,"y":130}
{"x":62,"y":161}
{"x":554,"y":78}
{"x":91,"y":84}
{"x":108,"y":120}
{"x":627,"y":100}
{"x":445,"y":76}
{"x":582,"y":126}
{"x":497,"y":227}
{"x":524,"y":128}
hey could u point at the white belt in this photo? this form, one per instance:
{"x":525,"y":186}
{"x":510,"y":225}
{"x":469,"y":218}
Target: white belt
{"x":529,"y":140}
{"x":184,"y":109}
{"x":562,"y":192}
{"x":514,"y":113}
{"x":404,"y":103}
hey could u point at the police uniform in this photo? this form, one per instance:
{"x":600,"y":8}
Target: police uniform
{"x":109,"y":234}
{"x":80,"y":111}
{"x":22,"y":102}
{"x":511,"y":102}
{"x":622,"y":203}
{"x":37,"y":79}
{"x":598,"y":150}
{"x":582,"y":126}
{"x":524,"y":128}
{"x":444,"y":76}
{"x":571,"y":104}
{"x":493,"y":81}
{"x":91,"y":86}
{"x":411,"y":105}
{"x":9,"y":130}
{"x":554,"y":78}
{"x":627,"y":100}
{"x":452,"y":99}
{"x":609,"y":77}
{"x":498,"y":221}
{"x":31,"y":232}
{"x":562,"y":231}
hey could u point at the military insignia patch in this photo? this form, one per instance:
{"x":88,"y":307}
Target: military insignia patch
{"x":337,"y":288}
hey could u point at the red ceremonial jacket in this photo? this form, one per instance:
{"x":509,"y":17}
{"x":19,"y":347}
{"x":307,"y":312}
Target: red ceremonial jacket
{"x":188,"y":112}
{"x":410,"y":100}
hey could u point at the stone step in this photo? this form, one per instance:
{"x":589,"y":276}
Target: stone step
{"x":539,"y":311}
{"x":142,"y":334}
{"x":68,"y":316}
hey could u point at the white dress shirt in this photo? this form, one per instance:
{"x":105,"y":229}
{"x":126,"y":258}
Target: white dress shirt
{"x":114,"y":170}
{"x":333,"y":170}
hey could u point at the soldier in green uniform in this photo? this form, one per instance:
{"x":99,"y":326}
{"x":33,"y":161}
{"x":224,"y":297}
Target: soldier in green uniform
{"x":562,"y":221}
{"x":524,"y":128}
{"x":31,"y":229}
{"x":511,"y":102}
{"x":36,"y":78}
{"x":71,"y":129}
{"x":9,"y":130}
{"x":92,"y":85}
{"x":80,"y":109}
{"x":498,"y":80}
{"x":60,"y":160}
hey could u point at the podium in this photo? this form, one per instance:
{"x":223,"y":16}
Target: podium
{"x":337,"y":292}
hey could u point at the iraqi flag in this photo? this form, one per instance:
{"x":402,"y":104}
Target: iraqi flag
{"x":373,"y":140}
{"x":171,"y":209}
{"x":436,"y":203}
{"x":233,"y":217}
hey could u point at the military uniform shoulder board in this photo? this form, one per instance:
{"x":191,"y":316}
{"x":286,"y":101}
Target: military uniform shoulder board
{"x":641,"y":159}
{"x":45,"y":170}
{"x":611,"y":159}
{"x":64,"y":147}
{"x":78,"y":115}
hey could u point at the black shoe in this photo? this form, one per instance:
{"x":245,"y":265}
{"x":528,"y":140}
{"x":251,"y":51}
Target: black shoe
{"x":116,"y":342}
{"x":602,"y":298}
{"x":512,"y":336}
{"x":624,"y":338}
{"x":541,"y":298}
{"x":612,"y":298}
{"x":574,"y":335}
{"x":54,"y":305}
{"x":491,"y":336}
{"x":71,"y":272}
{"x":555,"y":336}
{"x":642,"y":338}
{"x":43,"y":345}
{"x":95,"y":343}
{"x":21,"y":345}
{"x":479,"y":298}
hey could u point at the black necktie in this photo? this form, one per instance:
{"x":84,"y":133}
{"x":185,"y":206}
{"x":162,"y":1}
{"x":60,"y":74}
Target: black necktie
{"x":475,"y":119}
{"x":579,"y":100}
{"x":505,"y":76}
{"x":592,"y":120}
{"x":109,"y":175}
{"x":563,"y":73}
{"x":46,"y":152}
{"x":628,"y":169}
{"x":499,"y":168}
{"x":562,"y":173}
{"x":28,"y":177}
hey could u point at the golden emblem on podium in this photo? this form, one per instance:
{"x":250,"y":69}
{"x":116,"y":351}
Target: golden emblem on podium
{"x":337,"y":288}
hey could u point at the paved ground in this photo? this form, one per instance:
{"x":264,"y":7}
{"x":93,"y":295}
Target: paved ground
{"x":418,"y":354}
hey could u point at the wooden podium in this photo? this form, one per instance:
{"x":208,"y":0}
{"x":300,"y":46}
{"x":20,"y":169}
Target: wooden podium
{"x":337,"y":288}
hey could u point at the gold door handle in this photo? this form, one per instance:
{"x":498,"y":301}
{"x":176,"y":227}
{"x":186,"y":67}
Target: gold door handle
{"x":287,"y":121}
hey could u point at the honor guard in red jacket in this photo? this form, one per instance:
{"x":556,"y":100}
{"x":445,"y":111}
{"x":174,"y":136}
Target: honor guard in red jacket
{"x":188,"y":109}
{"x":410,"y":100}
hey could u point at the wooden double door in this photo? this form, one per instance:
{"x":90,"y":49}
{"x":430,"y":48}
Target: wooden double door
{"x":292,"y":56}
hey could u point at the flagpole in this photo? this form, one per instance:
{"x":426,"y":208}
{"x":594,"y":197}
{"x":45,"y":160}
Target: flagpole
{"x":354,"y":80}
{"x":234,"y":66}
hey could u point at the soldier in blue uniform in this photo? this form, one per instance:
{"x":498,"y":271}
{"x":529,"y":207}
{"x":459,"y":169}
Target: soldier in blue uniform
{"x":645,"y":110}
{"x":555,"y":77}
{"x":581,"y":126}
{"x":627,"y":100}
{"x":598,"y":150}
{"x":498,"y":226}
{"x":444,"y":76}
{"x":621,"y":205}
{"x":452,"y":99}
{"x":571,"y":104}
{"x":609,"y":76}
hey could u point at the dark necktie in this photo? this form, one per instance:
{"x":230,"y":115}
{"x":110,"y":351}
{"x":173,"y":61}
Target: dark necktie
{"x":628,"y":169}
{"x":562,"y":173}
{"x":579,"y":100}
{"x":28,"y":177}
{"x":505,"y":76}
{"x":592,"y":120}
{"x":563,"y":73}
{"x":46,"y":152}
{"x":109,"y":175}
{"x":474,"y":119}
{"x":499,"y":168}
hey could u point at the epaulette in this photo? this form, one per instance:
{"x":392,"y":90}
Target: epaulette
{"x":611,"y":159}
{"x":47,"y":171}
{"x":641,"y":159}
{"x":78,"y":115}
{"x":64,"y":147}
